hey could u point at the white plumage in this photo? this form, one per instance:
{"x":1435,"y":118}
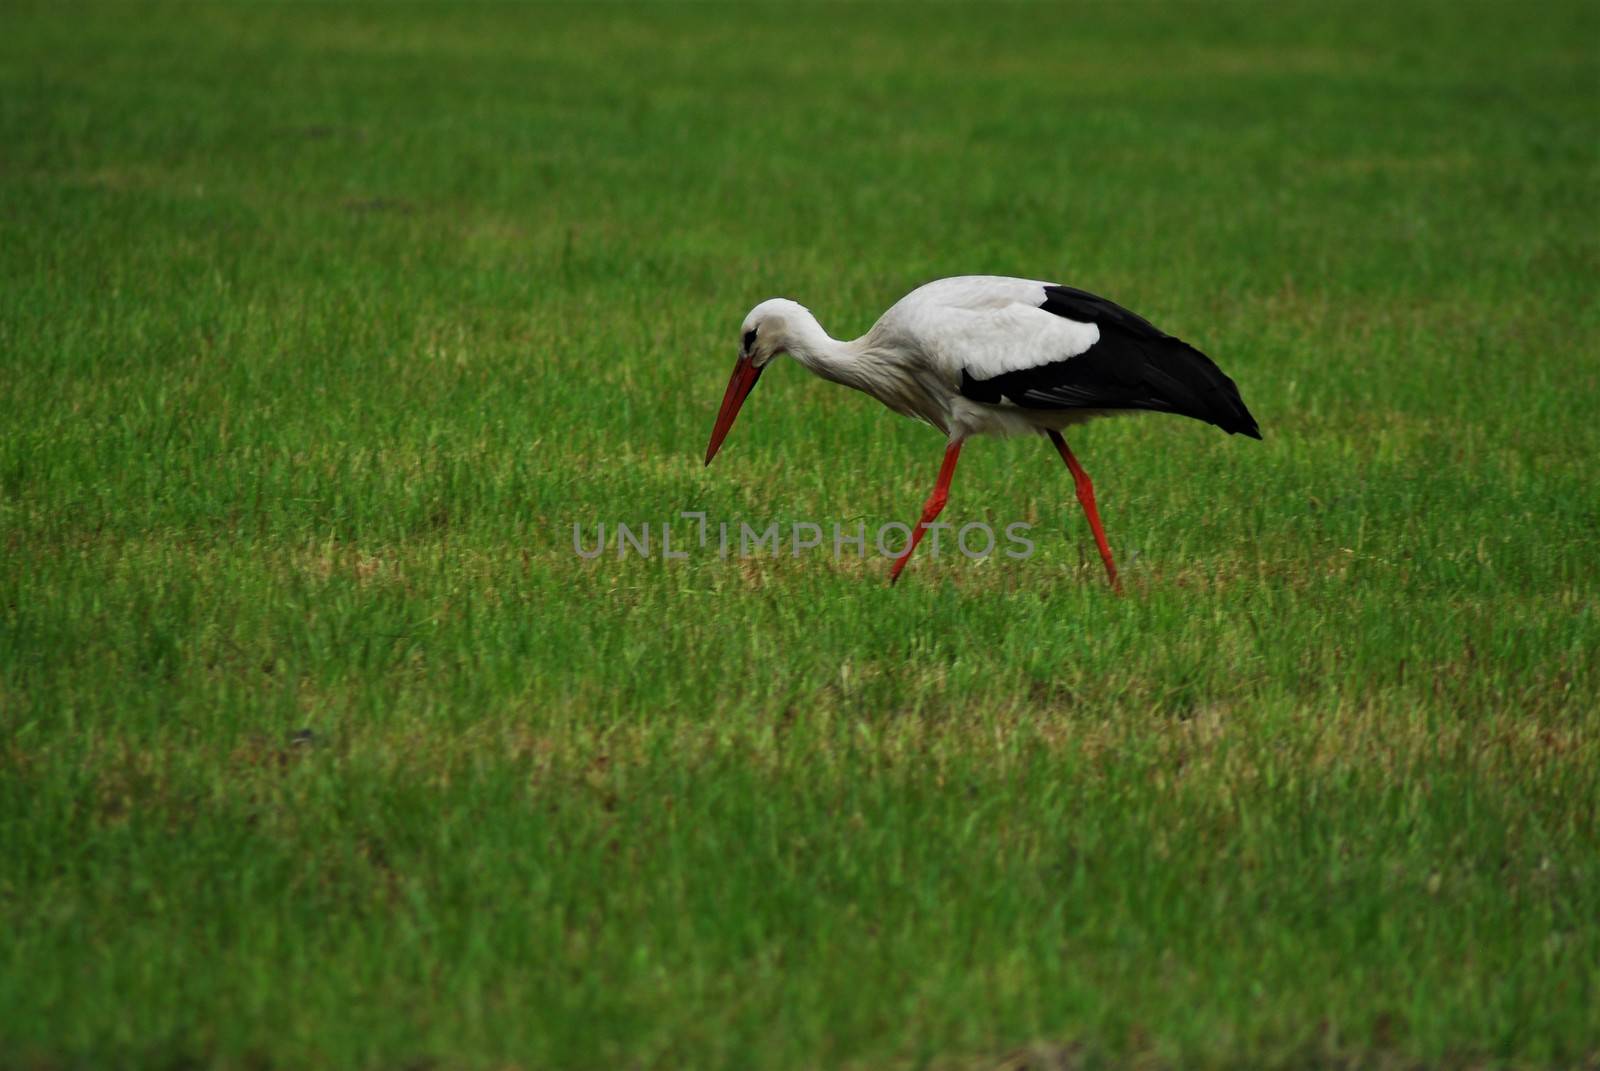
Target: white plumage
{"x":982,"y":323}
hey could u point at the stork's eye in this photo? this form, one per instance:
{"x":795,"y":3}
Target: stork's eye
{"x":749,"y":339}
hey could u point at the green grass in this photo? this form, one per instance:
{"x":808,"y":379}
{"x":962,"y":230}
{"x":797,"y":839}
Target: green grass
{"x":321,"y":325}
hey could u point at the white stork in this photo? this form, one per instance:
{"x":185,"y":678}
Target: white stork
{"x":987,"y":355}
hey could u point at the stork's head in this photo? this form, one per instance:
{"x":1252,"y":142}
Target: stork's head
{"x":764,"y":335}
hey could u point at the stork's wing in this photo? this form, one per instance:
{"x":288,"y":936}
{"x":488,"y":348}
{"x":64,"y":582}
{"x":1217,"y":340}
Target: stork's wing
{"x":1057,"y":347}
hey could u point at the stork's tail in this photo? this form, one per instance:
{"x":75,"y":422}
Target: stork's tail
{"x":1192,"y":385}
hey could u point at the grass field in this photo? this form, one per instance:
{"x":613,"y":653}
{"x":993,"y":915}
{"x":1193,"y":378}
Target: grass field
{"x":322,"y":325}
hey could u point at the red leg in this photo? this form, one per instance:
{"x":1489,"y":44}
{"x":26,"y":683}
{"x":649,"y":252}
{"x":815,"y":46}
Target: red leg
{"x":1086,"y":500}
{"x":931,"y":508}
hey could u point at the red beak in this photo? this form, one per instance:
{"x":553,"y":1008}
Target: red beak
{"x":745,"y":374}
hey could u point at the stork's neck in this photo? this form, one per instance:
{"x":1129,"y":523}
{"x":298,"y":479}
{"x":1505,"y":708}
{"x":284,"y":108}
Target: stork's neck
{"x":821,"y":353}
{"x":869,"y":366}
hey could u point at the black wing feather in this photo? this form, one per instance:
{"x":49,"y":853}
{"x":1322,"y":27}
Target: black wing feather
{"x":1134,"y":365}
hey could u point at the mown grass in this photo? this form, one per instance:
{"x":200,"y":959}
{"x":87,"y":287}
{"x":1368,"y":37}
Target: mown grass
{"x":323,"y":324}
